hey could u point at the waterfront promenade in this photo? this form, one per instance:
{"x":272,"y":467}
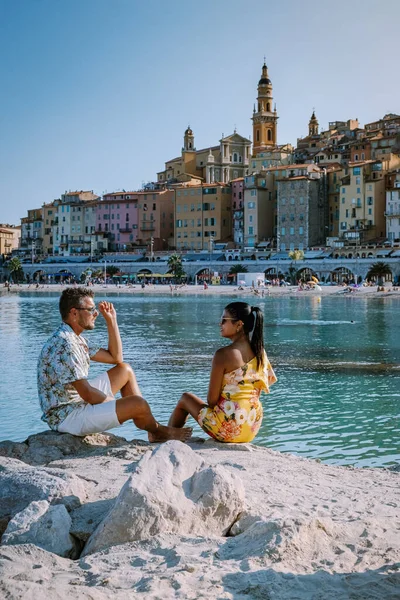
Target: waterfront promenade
{"x":224,"y":290}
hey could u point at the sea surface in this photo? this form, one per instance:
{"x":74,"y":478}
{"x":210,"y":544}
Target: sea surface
{"x":337,"y":361}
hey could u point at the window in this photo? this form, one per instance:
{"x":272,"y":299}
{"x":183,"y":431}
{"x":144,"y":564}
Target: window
{"x":251,"y":205}
{"x":370,"y":201}
{"x":358,"y":180}
{"x":251,"y":230}
{"x":179,"y":223}
{"x":358,"y":190}
{"x":250,"y":218}
{"x":356,"y":170}
{"x":253,"y":193}
{"x":343,"y":190}
{"x":343,"y":200}
{"x":301,"y":200}
{"x":292,"y":217}
{"x":301,"y":230}
{"x":292,"y":231}
{"x":283,"y":231}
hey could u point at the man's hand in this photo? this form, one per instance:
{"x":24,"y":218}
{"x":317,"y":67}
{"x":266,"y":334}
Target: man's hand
{"x":108,"y":311}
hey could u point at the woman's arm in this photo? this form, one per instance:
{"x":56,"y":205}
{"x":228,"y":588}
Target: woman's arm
{"x":216,"y":377}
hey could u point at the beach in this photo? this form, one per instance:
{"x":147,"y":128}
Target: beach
{"x":299,"y":531}
{"x":220,"y":290}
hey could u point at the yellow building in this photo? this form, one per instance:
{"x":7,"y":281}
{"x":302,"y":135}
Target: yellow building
{"x":221,"y":163}
{"x":362,"y":202}
{"x":202,"y":214}
{"x":9,"y":238}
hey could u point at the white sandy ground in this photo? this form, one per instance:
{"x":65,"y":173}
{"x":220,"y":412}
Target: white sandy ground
{"x":227,"y":290}
{"x":309,"y":532}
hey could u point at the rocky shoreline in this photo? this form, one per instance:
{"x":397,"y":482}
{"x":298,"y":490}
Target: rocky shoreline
{"x":101,"y":517}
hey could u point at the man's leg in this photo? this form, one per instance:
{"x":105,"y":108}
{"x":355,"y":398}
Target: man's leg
{"x":123,"y":379}
{"x":136,"y":408}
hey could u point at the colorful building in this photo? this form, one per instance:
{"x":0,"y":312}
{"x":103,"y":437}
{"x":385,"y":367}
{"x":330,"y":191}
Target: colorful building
{"x":203,"y":214}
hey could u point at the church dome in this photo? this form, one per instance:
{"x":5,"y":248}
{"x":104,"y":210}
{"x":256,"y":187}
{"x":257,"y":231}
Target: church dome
{"x":264,"y":81}
{"x":188,"y":131}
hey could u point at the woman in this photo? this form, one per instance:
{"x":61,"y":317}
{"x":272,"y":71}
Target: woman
{"x":239,"y":373}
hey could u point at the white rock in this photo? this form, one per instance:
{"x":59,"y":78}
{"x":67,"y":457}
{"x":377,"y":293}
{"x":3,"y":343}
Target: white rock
{"x":45,"y":526}
{"x":21,"y":484}
{"x":171,"y":491}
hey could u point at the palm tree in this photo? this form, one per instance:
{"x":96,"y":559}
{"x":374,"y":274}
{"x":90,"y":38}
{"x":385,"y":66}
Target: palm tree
{"x":112,"y":270}
{"x":15,"y":269}
{"x":295,"y":255}
{"x":378,"y":271}
{"x":238,"y":269}
{"x":175,"y":266}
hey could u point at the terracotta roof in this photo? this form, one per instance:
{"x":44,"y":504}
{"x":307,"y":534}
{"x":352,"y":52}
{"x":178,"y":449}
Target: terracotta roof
{"x":237,"y":179}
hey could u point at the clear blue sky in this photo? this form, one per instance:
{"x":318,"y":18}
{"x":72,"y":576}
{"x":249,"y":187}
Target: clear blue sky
{"x":96,"y":94}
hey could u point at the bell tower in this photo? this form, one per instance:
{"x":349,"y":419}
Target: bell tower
{"x":313,"y":125}
{"x":188,"y":141}
{"x":265,"y":119}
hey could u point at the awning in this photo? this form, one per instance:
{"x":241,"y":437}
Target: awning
{"x":279,"y":255}
{"x":313,"y":254}
{"x":383,"y":252}
{"x":395,"y":254}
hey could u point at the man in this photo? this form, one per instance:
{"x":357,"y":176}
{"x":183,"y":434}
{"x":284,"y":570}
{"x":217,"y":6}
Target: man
{"x":73,"y":404}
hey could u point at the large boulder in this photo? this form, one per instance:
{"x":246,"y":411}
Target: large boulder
{"x":45,"y":526}
{"x":21,"y":484}
{"x":49,"y":446}
{"x":171,"y":491}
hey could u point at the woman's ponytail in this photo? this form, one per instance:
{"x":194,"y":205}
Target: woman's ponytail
{"x":257,"y":338}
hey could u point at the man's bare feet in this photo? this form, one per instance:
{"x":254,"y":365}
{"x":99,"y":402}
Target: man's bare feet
{"x":164,"y":433}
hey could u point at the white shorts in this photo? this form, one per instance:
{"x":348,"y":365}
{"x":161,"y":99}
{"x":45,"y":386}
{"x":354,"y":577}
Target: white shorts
{"x":93,"y":418}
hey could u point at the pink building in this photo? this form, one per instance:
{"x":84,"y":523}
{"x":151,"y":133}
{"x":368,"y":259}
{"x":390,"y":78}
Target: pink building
{"x":117,"y":216}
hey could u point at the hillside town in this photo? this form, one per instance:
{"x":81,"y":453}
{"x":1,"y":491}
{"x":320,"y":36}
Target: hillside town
{"x":336,"y":191}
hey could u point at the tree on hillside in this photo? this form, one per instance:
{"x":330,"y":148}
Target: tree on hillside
{"x":175,"y":266}
{"x":238,"y":269}
{"x":378,"y":271}
{"x":14,"y":267}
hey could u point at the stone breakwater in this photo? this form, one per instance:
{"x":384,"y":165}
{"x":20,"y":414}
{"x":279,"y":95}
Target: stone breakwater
{"x":100,"y":517}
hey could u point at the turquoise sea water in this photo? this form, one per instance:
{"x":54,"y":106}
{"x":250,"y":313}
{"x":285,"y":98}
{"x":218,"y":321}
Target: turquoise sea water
{"x":337,"y":360}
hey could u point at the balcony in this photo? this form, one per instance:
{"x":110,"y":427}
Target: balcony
{"x":126,"y":229}
{"x":392,"y":213}
{"x":238,"y":214}
{"x":147,"y":227}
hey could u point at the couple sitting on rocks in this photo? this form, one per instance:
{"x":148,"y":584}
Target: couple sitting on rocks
{"x":74,"y":404}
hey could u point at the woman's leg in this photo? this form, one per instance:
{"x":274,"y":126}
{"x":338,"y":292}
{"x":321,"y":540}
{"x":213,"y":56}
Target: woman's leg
{"x":189,"y":404}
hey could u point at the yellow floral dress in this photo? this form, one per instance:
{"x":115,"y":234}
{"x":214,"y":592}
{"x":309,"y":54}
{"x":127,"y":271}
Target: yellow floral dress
{"x":238,"y":414}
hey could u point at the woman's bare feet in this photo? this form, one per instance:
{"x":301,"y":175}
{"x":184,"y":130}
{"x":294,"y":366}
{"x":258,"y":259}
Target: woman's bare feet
{"x":164,"y":433}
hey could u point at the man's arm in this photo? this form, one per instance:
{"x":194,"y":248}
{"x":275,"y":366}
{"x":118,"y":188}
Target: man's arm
{"x":113,"y":355}
{"x":87,"y":392}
